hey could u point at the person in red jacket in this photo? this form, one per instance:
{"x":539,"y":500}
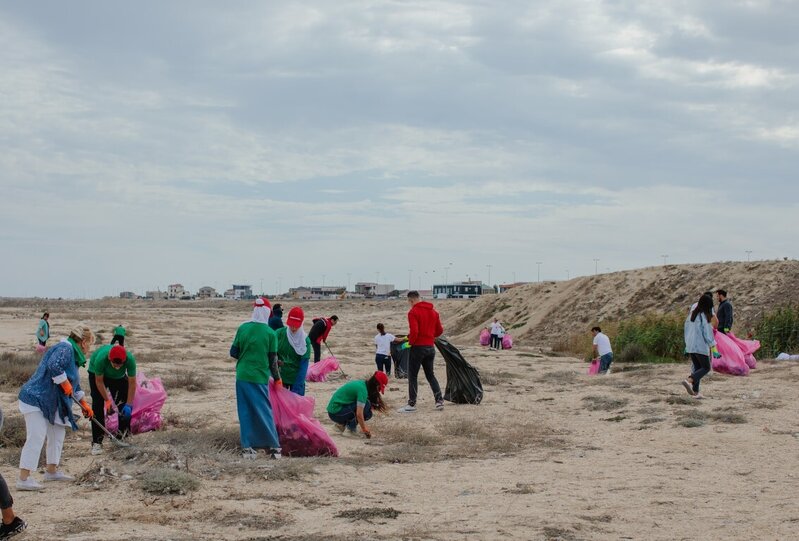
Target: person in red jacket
{"x":425,"y":326}
{"x":319,"y":331}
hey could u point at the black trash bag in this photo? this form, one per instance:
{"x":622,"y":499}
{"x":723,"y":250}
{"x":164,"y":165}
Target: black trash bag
{"x":463,"y":380}
{"x":400,"y":358}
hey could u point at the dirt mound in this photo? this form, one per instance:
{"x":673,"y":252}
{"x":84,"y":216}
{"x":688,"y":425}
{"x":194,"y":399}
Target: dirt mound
{"x":541,"y":313}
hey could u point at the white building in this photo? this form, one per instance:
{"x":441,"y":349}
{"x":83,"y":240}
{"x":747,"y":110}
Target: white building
{"x":373,"y":289}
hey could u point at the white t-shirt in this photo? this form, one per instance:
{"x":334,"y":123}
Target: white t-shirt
{"x":602,"y":343}
{"x":383,"y":342}
{"x":498,"y":329}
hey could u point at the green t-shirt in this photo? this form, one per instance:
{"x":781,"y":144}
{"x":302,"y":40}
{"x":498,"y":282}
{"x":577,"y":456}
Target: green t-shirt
{"x":100,"y":365}
{"x":353,"y":392}
{"x":291,"y":360}
{"x":119,"y":331}
{"x":255,"y":341}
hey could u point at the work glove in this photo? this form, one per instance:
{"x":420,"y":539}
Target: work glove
{"x":727,"y":330}
{"x":108,"y":405}
{"x":66,"y":386}
{"x":126,"y":411}
{"x":279,"y":382}
{"x":367,"y":433}
{"x":715,"y":352}
{"x":86,"y":409}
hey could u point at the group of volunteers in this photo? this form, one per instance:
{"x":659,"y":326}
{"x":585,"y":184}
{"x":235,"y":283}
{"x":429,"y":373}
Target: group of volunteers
{"x":261,"y":353}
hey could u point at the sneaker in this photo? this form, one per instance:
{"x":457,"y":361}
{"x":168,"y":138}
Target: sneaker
{"x":10,"y":530}
{"x":688,"y":387}
{"x":340,"y":427}
{"x":607,"y":372}
{"x":440,"y":405}
{"x":57,"y":476}
{"x":29,"y":484}
{"x":275,"y":454}
{"x":97,"y":449}
{"x":407,"y":408}
{"x":249,"y":453}
{"x":699,"y":396}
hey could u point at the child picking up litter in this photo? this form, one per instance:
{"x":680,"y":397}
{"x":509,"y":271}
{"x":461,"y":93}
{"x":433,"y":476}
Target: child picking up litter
{"x":383,"y":341}
{"x":352,"y":404}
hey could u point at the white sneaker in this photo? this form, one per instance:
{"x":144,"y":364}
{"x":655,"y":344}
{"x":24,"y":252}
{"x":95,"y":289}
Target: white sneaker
{"x":97,"y":449}
{"x":275,"y":454}
{"x":249,"y":453}
{"x":407,"y":408}
{"x":29,"y":484}
{"x":57,"y":476}
{"x":440,"y":405}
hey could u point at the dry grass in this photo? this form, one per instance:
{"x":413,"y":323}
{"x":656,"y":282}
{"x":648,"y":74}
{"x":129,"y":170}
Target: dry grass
{"x":368,"y":514}
{"x":271,"y":520}
{"x":17,"y":368}
{"x":168,"y":481}
{"x":559,"y":377}
{"x":604,"y":403}
{"x":14,"y":433}
{"x":692,"y":419}
{"x":497,"y":377}
{"x":185,"y":379}
{"x":296,"y":469}
{"x":728,"y":417}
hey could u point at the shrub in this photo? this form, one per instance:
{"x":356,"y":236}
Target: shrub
{"x":778,"y":331}
{"x":168,"y":481}
{"x":659,"y":336}
{"x":185,"y":379}
{"x":17,"y":368}
{"x":631,"y":353}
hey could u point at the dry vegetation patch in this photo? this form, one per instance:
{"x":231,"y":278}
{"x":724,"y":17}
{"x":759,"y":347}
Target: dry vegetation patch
{"x":168,"y":481}
{"x":17,"y":368}
{"x":604,"y":403}
{"x":186,"y":379}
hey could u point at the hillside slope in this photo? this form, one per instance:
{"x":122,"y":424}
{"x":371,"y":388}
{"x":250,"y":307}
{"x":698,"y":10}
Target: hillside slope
{"x":539,"y":314}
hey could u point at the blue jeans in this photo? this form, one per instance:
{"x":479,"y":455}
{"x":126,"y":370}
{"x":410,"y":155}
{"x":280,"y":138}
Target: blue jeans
{"x":383,"y":363}
{"x":604,"y":362}
{"x":346,"y":416}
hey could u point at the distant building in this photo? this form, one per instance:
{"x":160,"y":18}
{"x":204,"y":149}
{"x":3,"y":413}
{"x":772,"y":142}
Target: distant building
{"x":156,"y":295}
{"x":128,"y":295}
{"x":373,"y":289}
{"x":239,"y":291}
{"x":459,"y":290}
{"x":207,"y":292}
{"x":318,"y":292}
{"x":176,"y":291}
{"x":505,"y":287}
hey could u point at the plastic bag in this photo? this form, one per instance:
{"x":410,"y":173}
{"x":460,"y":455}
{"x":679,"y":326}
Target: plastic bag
{"x":300,"y":434}
{"x":400,"y":354}
{"x":507,"y":342}
{"x":485,"y":337}
{"x":732,"y":358}
{"x":319,"y":371}
{"x":593,"y":369}
{"x":748,"y":347}
{"x":463,"y":380}
{"x":147,"y":404}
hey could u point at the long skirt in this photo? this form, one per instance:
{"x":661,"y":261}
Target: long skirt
{"x":256,"y":424}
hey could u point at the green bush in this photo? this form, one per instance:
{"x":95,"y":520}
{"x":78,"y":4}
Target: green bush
{"x":778,"y":331}
{"x":659,"y":336}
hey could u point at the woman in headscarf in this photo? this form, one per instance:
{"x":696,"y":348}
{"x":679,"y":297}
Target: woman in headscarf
{"x":294,"y":351}
{"x":43,"y":330}
{"x":255,"y":348}
{"x":46,"y":403}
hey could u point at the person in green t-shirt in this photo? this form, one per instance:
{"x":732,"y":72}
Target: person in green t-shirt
{"x":294,"y":351}
{"x":119,"y":335}
{"x":255,"y":348}
{"x":112,"y":376}
{"x":352,"y":404}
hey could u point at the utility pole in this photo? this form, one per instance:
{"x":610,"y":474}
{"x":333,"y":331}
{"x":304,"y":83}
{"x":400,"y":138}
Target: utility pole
{"x":539,"y":270}
{"x":262,"y":286}
{"x":301,"y":281}
{"x":665,"y":258}
{"x":279,"y":285}
{"x":409,"y":278}
{"x":323,"y":280}
{"x":596,"y":266}
{"x":348,"y":280}
{"x":489,"y":276}
{"x":748,"y":255}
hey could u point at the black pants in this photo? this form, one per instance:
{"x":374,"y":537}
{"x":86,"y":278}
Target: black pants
{"x":317,"y":351}
{"x":701,"y":367}
{"x":6,"y":501}
{"x":118,"y":390}
{"x":118,"y":338}
{"x":496,"y":341}
{"x":383,"y":363}
{"x":422,"y":357}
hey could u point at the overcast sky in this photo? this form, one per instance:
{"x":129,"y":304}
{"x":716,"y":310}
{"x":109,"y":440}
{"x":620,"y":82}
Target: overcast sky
{"x":147,"y":143}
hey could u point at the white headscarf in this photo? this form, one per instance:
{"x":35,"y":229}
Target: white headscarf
{"x":297,"y":340}
{"x":261,"y":312}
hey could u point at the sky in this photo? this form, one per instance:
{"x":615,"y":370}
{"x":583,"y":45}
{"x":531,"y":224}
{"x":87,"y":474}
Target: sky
{"x":286,"y":143}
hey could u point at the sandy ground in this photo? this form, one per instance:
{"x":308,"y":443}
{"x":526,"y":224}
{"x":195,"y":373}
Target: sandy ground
{"x":551,"y":453}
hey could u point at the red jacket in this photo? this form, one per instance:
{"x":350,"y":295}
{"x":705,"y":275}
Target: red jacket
{"x":424,"y":324}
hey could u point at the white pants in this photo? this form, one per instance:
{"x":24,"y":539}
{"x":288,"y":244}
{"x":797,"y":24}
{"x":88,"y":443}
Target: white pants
{"x":39,"y":429}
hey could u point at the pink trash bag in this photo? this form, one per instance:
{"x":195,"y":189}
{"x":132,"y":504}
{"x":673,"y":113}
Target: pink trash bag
{"x":40,"y":348}
{"x":748,"y":347}
{"x":319,"y":371}
{"x":593,"y":370}
{"x":300,"y":434}
{"x":485,"y":337}
{"x":732,"y":358}
{"x":147,"y":404}
{"x":507,"y":342}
